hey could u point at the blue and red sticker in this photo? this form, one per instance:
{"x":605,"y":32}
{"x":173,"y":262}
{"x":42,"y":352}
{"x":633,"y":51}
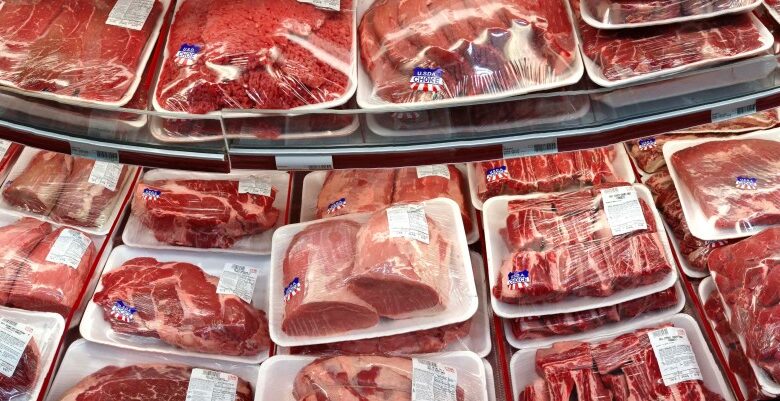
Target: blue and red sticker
{"x":337,"y":205}
{"x":151,"y":194}
{"x":293,"y":288}
{"x":123,"y":312}
{"x":427,"y":80}
{"x":647,"y":143}
{"x":744,"y":182}
{"x":498,"y":173}
{"x":518,"y":279}
{"x":187,"y":55}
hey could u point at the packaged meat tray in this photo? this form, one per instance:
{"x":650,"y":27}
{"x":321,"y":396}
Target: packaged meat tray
{"x":728,"y":187}
{"x":614,"y":58}
{"x":559,"y":253}
{"x":472,"y":335}
{"x":745,"y":276}
{"x":30,"y":341}
{"x":555,"y":172}
{"x":773,"y":6}
{"x":78,"y":51}
{"x":299,"y":378}
{"x":338,"y":192}
{"x":96,"y":371}
{"x":205,"y":212}
{"x":326,"y":288}
{"x":437,"y":53}
{"x":44,"y":267}
{"x":68,"y":190}
{"x":543,"y":331}
{"x":257,"y":54}
{"x":207,"y":305}
{"x":624,"y":366}
{"x":621,"y":14}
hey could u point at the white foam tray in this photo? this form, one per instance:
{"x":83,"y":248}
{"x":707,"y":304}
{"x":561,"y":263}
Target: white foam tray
{"x":772,"y":11}
{"x":591,"y":20}
{"x":622,"y":164}
{"x":523,"y":373}
{"x":96,"y":329}
{"x":596,"y":75}
{"x":312,"y":185}
{"x":277,"y":374}
{"x":48,"y":329}
{"x":607,"y":329}
{"x":114,"y":210}
{"x":494,"y":217}
{"x":142,"y":61}
{"x":698,"y":222}
{"x":463,"y":302}
{"x":350,"y":71}
{"x":367,"y":100}
{"x":84,"y":358}
{"x":491,"y":382}
{"x":136,"y":234}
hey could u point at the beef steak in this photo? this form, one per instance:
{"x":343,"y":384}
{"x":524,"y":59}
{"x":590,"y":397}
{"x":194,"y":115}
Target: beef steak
{"x":38,"y":187}
{"x":24,"y":378}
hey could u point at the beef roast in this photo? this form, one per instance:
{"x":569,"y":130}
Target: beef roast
{"x":417,"y":184}
{"x":319,"y":303}
{"x":355,"y":191}
{"x":17,"y":240}
{"x":37,"y":188}
{"x":28,"y":371}
{"x":178,"y":303}
{"x":85,"y":204}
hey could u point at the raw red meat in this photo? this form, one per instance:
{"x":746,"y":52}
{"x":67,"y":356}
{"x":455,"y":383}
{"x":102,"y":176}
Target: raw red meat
{"x":545,"y":173}
{"x":21,"y":383}
{"x":411,"y":188}
{"x":85,"y":204}
{"x":624,"y":54}
{"x":178,"y":303}
{"x":263,"y":54}
{"x":37,"y":188}
{"x":633,"y":11}
{"x":529,"y":328}
{"x":757,"y":121}
{"x":355,"y":191}
{"x":480,"y":46}
{"x":414,"y":343}
{"x":341,"y":378}
{"x":202,"y":213}
{"x":710,"y":172}
{"x":47,"y":286}
{"x":142,"y":382}
{"x":66,"y":47}
{"x":401,"y":277}
{"x":321,"y":258}
{"x":17,"y":240}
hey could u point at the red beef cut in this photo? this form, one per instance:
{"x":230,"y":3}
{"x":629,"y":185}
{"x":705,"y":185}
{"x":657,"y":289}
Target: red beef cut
{"x":142,"y":382}
{"x":321,"y":259}
{"x":46,"y":286}
{"x":17,"y":241}
{"x":634,"y":11}
{"x":23,"y":380}
{"x":202,"y":213}
{"x":401,"y":277}
{"x":178,"y":303}
{"x":355,"y":191}
{"x":85,"y":204}
{"x":411,"y":187}
{"x":38,"y":187}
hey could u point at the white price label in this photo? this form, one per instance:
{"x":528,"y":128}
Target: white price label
{"x":436,"y":170}
{"x":254,"y":185}
{"x":69,"y":248}
{"x":105,"y":174}
{"x":208,"y":385}
{"x":530,"y":147}
{"x":433,"y":381}
{"x":14,"y":337}
{"x":674,"y":355}
{"x":239,"y":281}
{"x":408,"y":221}
{"x":94,"y":152}
{"x":734,"y":110}
{"x":131,"y":14}
{"x":334,"y":5}
{"x":624,"y":213}
{"x":314,"y":162}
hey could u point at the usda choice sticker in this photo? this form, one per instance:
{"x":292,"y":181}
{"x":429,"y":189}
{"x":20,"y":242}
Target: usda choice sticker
{"x":518,"y":279}
{"x":427,"y":80}
{"x":187,"y":55}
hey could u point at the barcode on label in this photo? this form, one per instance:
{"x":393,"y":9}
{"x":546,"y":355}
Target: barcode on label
{"x":733,"y":111}
{"x":530,"y":147}
{"x":315,"y":162}
{"x":94,"y":152}
{"x":546,"y":147}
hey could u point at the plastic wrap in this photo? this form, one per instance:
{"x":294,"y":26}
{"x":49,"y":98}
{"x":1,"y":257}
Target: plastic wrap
{"x":774,"y":8}
{"x":185,"y":303}
{"x":746,"y":276}
{"x":572,"y":245}
{"x":257,"y":54}
{"x":549,"y":173}
{"x":67,"y":190}
{"x":92,"y":371}
{"x":208,"y":210}
{"x":416,"y":276}
{"x":415,"y":52}
{"x":337,"y":378}
{"x":77,"y":50}
{"x":625,"y":367}
{"x":728,"y":188}
{"x":613,"y":14}
{"x":32,"y":338}
{"x":626,"y":56}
